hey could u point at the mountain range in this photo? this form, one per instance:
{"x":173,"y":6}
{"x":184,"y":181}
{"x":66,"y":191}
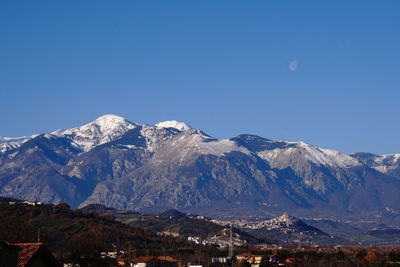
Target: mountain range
{"x":125,"y":165}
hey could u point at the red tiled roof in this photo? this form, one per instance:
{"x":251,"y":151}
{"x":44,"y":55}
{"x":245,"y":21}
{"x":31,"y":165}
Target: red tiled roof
{"x":121,"y":261}
{"x":142,"y":259}
{"x":292,"y":260}
{"x":166,"y":258}
{"x":27,"y":251}
{"x":149,"y":258}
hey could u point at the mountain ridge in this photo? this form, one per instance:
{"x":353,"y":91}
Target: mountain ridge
{"x":117,"y":163}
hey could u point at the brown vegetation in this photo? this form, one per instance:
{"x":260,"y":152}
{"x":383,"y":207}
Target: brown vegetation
{"x":79,"y":237}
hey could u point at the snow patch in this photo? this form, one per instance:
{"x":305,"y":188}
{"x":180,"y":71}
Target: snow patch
{"x":386,"y":163}
{"x":156,"y":136}
{"x":8,"y":143}
{"x":203,"y":144}
{"x":392,"y":158}
{"x":189,"y":144}
{"x":181,"y":126}
{"x":320,"y":156}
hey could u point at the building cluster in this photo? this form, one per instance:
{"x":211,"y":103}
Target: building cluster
{"x":250,"y":259}
{"x":30,"y":203}
{"x":197,"y":240}
{"x":123,"y":260}
{"x":38,"y":255}
{"x":284,"y":222}
{"x":221,"y":240}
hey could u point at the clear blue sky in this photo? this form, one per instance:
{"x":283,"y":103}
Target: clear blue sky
{"x":325,"y":72}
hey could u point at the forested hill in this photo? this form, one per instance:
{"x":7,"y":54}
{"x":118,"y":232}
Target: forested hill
{"x":76,"y":236}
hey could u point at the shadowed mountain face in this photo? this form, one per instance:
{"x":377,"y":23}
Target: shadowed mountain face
{"x":125,"y":165}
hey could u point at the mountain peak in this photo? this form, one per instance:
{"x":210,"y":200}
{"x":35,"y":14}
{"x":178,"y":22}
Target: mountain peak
{"x":181,"y":126}
{"x":110,"y":121}
{"x":110,"y":117}
{"x":102,"y":130}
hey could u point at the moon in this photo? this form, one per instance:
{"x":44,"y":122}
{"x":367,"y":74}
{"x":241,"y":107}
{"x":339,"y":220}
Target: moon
{"x":293,"y":65}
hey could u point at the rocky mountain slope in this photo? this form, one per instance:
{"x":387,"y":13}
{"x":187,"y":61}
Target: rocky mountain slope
{"x":125,"y":165}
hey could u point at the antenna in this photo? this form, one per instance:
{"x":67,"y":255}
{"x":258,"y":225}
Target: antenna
{"x":130,"y":255}
{"x":38,"y":235}
{"x":230,"y":255}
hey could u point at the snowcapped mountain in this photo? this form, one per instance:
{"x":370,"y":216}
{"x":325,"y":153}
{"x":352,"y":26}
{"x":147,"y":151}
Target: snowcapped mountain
{"x":102,"y":130}
{"x":281,"y":154}
{"x":126,"y":165}
{"x":318,"y":168}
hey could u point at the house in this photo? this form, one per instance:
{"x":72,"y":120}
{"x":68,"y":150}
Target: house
{"x":252,"y":259}
{"x":156,"y":261}
{"x":26,"y":255}
{"x":220,"y":259}
{"x":110,"y":255}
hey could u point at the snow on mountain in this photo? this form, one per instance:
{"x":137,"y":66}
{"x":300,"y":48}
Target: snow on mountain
{"x":381,"y":163}
{"x":392,"y":158}
{"x":156,"y":136}
{"x":181,"y":126}
{"x":385,"y":163}
{"x":282,"y":157}
{"x":194,"y":142}
{"x":8,"y":143}
{"x":102,"y":130}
